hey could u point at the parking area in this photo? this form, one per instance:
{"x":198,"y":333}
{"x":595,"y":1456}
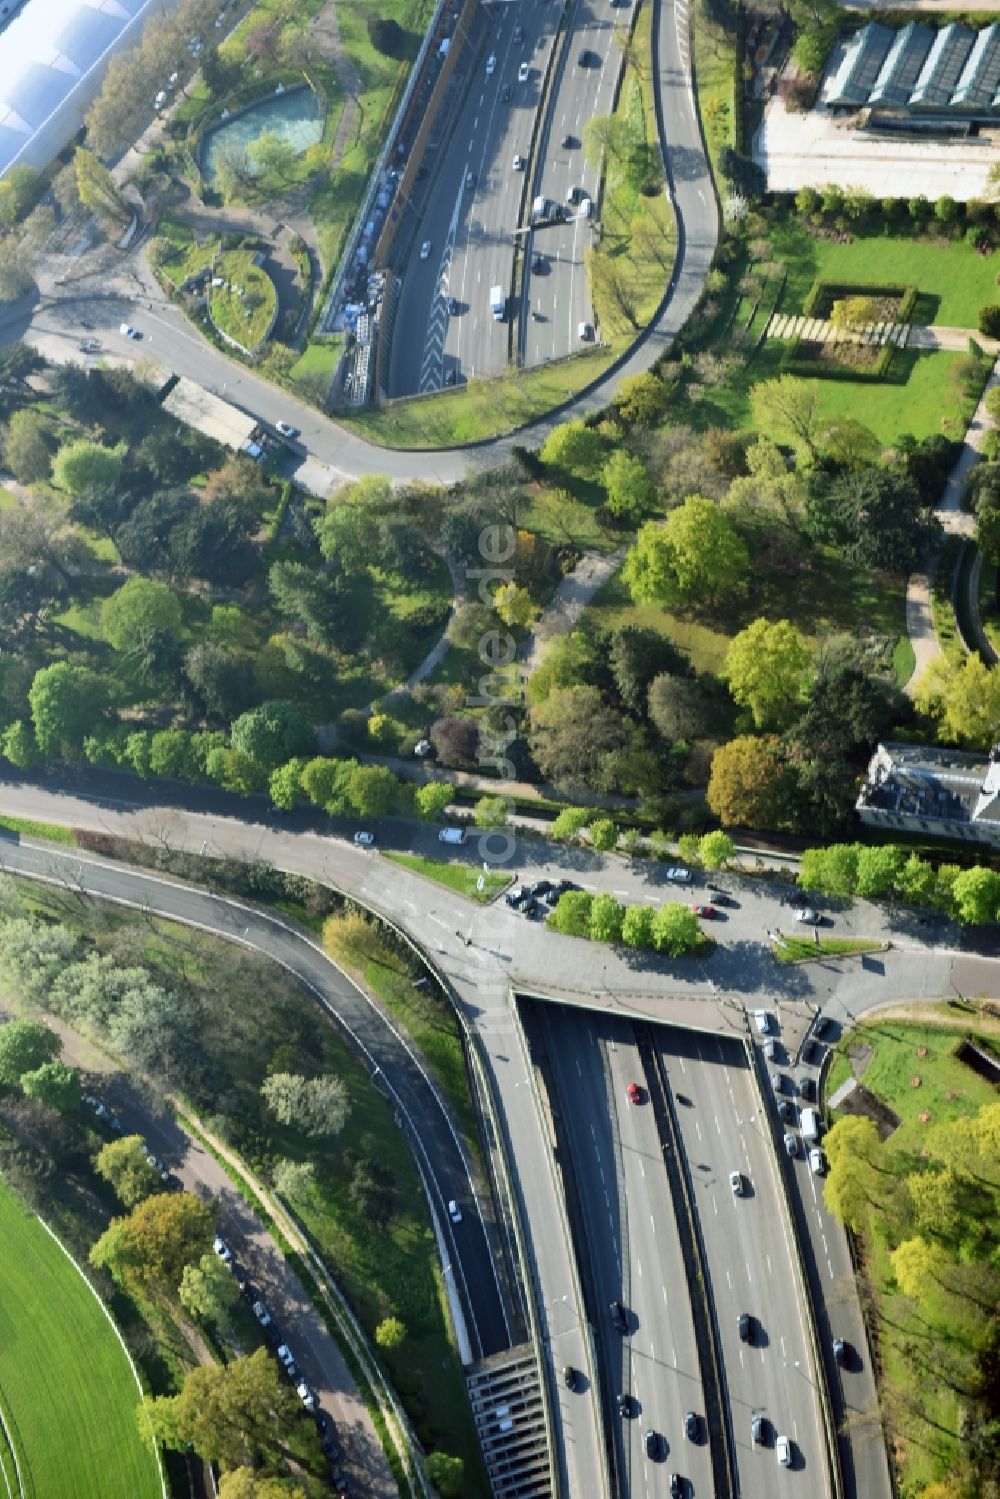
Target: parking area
{"x":820,"y":146}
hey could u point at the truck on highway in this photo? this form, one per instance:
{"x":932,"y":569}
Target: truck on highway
{"x":810,"y":1125}
{"x":498,"y":303}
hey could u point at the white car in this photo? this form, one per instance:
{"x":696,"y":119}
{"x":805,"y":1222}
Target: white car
{"x":817,"y":1163}
{"x":364,"y":840}
{"x":783,"y":1451}
{"x":454,"y":1211}
{"x":222,"y":1249}
{"x":736,"y":1182}
{"x":127,"y":331}
{"x":519,"y":162}
{"x":286,"y":429}
{"x":425,"y":249}
{"x":762,"y":1020}
{"x":306,"y":1395}
{"x":285,"y":1354}
{"x":262,"y":1314}
{"x":160,"y":99}
{"x":491,"y":65}
{"x":678,"y":875}
{"x":523,"y":73}
{"x":806,"y":914}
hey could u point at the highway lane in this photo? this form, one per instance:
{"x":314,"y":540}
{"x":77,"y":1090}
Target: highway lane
{"x":749,"y":1263}
{"x":428,"y":1129}
{"x":470,"y":228}
{"x":632,"y":1253}
{"x":559,"y":294}
{"x":827,"y":1256}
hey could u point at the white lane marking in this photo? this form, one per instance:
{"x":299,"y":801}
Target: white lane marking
{"x":749,"y":1276}
{"x":579,"y":1069}
{"x":729,"y":1280}
{"x":638,"y":1266}
{"x":642,"y":1169}
{"x":718,"y":1126}
{"x":767,"y":1257}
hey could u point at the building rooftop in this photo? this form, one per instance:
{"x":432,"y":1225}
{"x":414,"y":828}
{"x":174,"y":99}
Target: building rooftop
{"x":933,"y":785}
{"x":198,"y":408}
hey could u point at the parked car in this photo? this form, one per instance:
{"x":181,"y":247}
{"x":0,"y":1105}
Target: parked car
{"x":807,"y":1088}
{"x":791,"y":1144}
{"x":786,"y":1111}
{"x":364,"y":840}
{"x":262,"y":1314}
{"x":783,"y":1452}
{"x":285,"y":1355}
{"x":453,"y":835}
{"x":222,"y":1249}
{"x":523,"y":73}
{"x":286,"y":429}
{"x":678,"y":875}
{"x":762,"y":1020}
{"x":807,"y":915}
{"x":705,"y":912}
{"x":127,"y":331}
{"x":454,"y":1211}
{"x":306,"y":1395}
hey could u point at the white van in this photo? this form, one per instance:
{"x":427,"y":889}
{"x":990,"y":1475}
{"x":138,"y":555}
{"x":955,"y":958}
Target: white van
{"x":453,"y":835}
{"x":810,"y":1125}
{"x":584,"y":332}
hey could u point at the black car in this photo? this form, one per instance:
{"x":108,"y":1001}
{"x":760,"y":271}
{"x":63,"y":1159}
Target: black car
{"x":822,"y":1025}
{"x":570,"y":1377}
{"x":626,"y":1406}
{"x":692,"y":1426}
{"x":541,"y":887}
{"x":786,"y":1111}
{"x":452,"y":306}
{"x":746,"y":1327}
{"x":516,"y":896}
{"x":536,"y":910}
{"x":807,"y":1089}
{"x":568,"y":142}
{"x":652,"y":1444}
{"x":539,"y":264}
{"x":618,"y":1319}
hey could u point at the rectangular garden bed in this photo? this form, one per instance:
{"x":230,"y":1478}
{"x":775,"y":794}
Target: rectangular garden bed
{"x":893,"y":304}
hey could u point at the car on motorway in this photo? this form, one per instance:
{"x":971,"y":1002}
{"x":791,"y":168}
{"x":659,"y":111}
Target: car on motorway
{"x":783,"y":1451}
{"x":127,"y":331}
{"x":584,"y":332}
{"x":758,"y":1430}
{"x":222,"y":1249}
{"x":676,"y":1489}
{"x":570,"y":1377}
{"x":840,"y":1350}
{"x":425,"y":249}
{"x":539,"y":264}
{"x":652,"y":1440}
{"x":821,"y":1025}
{"x":771,"y":1050}
{"x":707,"y":913}
{"x":584,"y":57}
{"x":364,"y":840}
{"x":807,"y":915}
{"x":491,"y":65}
{"x":817,"y":1162}
{"x":625,"y":1406}
{"x":812,"y":1053}
{"x":454,"y":1211}
{"x":634,"y":1093}
{"x":791,"y":1144}
{"x":618,"y":1319}
{"x":523,"y":73}
{"x":452,"y":306}
{"x":286,"y":429}
{"x":736,"y":1182}
{"x":807,"y":1089}
{"x":586,"y":208}
{"x":470,"y":181}
{"x":568,"y":142}
{"x":678,"y":875}
{"x":505,"y":93}
{"x":519,"y":162}
{"x":692,"y":1426}
{"x":786,"y":1111}
{"x":762,"y":1020}
{"x":745,"y":1327}
{"x":519,"y":32}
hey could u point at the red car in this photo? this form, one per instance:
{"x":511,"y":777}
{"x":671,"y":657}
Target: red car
{"x":705,"y":911}
{"x":634,"y":1093}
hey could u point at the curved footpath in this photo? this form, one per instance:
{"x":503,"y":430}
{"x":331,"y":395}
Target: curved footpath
{"x":125,"y":291}
{"x":483,"y":951}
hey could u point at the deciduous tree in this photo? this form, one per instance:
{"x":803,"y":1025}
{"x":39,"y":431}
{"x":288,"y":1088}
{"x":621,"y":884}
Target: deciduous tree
{"x":272,"y":733}
{"x":25,"y":1045}
{"x":746,"y":782}
{"x":239,"y":1414}
{"x":124,"y":1164}
{"x":676,"y":930}
{"x":433,"y":798}
{"x":82,"y":465}
{"x":964,"y":698}
{"x":208,"y":1291}
{"x":788,"y":407}
{"x":27,"y":446}
{"x":316,"y":1106}
{"x":391,"y":1334}
{"x":573,"y":447}
{"x":766,"y":666}
{"x":695,"y":556}
{"x":637,"y":926}
{"x":136,"y":608}
{"x":572,"y":913}
{"x":606,"y":917}
{"x":147,"y":1250}
{"x":577,"y":740}
{"x":56,"y":1085}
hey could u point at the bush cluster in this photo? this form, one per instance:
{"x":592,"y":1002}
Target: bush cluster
{"x":881,"y":871}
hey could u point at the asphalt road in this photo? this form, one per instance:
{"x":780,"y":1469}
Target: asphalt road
{"x":633,"y":1253}
{"x":470,"y":230}
{"x":749,"y":1263}
{"x":558,"y":296}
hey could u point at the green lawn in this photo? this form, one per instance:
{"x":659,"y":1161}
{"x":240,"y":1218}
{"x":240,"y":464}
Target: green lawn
{"x":822,"y":596}
{"x":483,"y":408}
{"x":715,"y":81}
{"x":904,"y":1052}
{"x":806,"y":949}
{"x":176,"y":255}
{"x":28,"y":827}
{"x":459,"y":877}
{"x":67,"y":1391}
{"x":918,"y":397}
{"x":244,"y":306}
{"x":954,"y":280}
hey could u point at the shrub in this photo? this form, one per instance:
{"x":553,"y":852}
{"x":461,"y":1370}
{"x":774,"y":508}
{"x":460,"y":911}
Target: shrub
{"x":989,"y":320}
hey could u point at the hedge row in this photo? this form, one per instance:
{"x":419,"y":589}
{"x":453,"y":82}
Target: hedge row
{"x":838,"y":291}
{"x":820,"y":369}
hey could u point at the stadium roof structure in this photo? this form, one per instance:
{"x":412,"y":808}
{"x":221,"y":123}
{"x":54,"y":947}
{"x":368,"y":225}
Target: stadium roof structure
{"x":52,"y":61}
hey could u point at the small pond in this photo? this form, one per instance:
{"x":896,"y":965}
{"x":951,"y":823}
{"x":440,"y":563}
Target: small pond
{"x":294,"y":116}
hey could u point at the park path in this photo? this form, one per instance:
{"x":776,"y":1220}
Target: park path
{"x":956,"y":522}
{"x":200,"y":1168}
{"x":920,"y":336}
{"x":574,"y":593}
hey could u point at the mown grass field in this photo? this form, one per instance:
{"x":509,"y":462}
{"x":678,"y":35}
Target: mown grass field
{"x":66,"y":1388}
{"x":459,"y":877}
